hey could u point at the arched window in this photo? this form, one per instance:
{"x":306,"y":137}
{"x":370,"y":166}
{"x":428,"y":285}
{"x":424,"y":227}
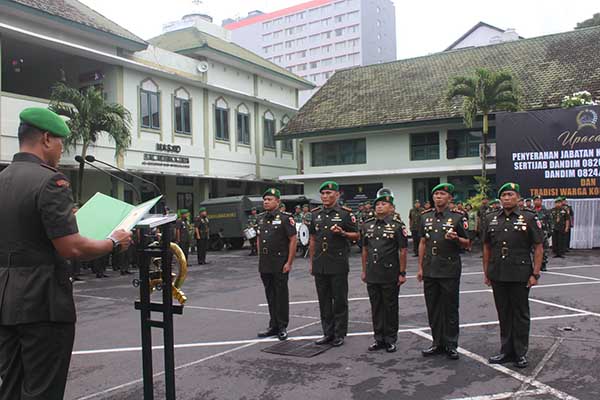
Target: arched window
{"x":243,"y":124}
{"x":149,"y":105}
{"x":182,"y":112}
{"x":221,"y":119}
{"x":269,"y":130}
{"x":287,"y":144}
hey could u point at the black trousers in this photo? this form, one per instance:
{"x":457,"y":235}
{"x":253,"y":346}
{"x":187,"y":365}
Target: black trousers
{"x":202,"y":245}
{"x":278,"y":298}
{"x":415,"y":240}
{"x":332,"y":291}
{"x":559,"y":242}
{"x":384,"y":310}
{"x":512,"y":304}
{"x":185,"y":247}
{"x":441,"y":298}
{"x":252,"y":245}
{"x":34,"y":360}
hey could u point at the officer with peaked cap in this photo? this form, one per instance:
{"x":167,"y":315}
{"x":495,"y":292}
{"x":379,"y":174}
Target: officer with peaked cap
{"x":276,"y":242}
{"x":443,"y":233}
{"x":511,"y":235}
{"x":39,"y":232}
{"x":331,"y":232}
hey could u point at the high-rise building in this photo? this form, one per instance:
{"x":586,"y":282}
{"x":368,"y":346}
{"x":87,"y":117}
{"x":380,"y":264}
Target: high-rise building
{"x":316,"y":38}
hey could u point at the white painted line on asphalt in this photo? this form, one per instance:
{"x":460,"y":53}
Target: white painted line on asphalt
{"x":403,"y":296}
{"x":134,"y":382}
{"x":541,"y":365}
{"x":548,"y":303}
{"x":500,"y":368}
{"x":570,"y":275}
{"x":99,"y":298}
{"x":310,"y":337}
{"x":505,"y":395}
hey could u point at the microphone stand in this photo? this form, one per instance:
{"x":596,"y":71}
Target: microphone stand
{"x":80,"y":160}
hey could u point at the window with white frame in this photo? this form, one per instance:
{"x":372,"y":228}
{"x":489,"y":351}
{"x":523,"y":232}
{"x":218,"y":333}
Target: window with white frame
{"x":243,"y":125}
{"x":278,"y":47}
{"x":277,"y":34}
{"x":352,"y":16}
{"x":339,"y":46}
{"x":287,"y":145}
{"x":314,"y":39}
{"x":326,"y":35}
{"x":288,"y":57}
{"x":339,"y":18}
{"x":301,"y":67}
{"x":288,"y":44}
{"x":221,"y":120}
{"x":314,"y":64}
{"x":354,"y":43}
{"x":354,"y":58}
{"x":340,"y":59}
{"x":149,"y":105}
{"x":352,"y":29}
{"x":326,"y":62}
{"x":326,"y":49}
{"x":314,"y":51}
{"x":301,"y":42}
{"x":339,"y":32}
{"x":326,"y":21}
{"x":182,"y":112}
{"x":301,"y":54}
{"x":269,"y":130}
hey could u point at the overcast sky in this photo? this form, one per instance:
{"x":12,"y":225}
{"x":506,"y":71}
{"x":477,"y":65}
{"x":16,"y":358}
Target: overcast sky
{"x":422,"y":26}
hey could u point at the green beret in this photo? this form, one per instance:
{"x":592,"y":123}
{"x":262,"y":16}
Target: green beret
{"x":329,"y":185}
{"x":446,"y":187}
{"x":297,"y":206}
{"x":368,"y":202}
{"x":282,"y":204}
{"x":495,"y":201}
{"x":202,"y":209}
{"x":272,"y":192}
{"x":459,"y":202}
{"x":509,"y":186}
{"x":385,"y":197}
{"x":305,"y":205}
{"x":45,"y":120}
{"x":558,"y":199}
{"x":537,"y":197}
{"x":253,"y":209}
{"x":527,"y":199}
{"x":563,"y":198}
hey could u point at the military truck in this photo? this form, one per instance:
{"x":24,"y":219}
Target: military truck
{"x":228,"y":217}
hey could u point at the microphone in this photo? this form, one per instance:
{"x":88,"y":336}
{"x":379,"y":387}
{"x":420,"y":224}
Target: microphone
{"x":80,"y":160}
{"x":91,"y":159}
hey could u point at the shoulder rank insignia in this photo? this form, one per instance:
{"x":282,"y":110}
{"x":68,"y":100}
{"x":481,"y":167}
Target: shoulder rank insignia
{"x":318,"y":208}
{"x":63,"y":183}
{"x":346,"y":208}
{"x":49,"y":167}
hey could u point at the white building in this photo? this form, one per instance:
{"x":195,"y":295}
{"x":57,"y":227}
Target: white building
{"x":483,"y":34}
{"x":316,"y":38}
{"x":203,"y":120}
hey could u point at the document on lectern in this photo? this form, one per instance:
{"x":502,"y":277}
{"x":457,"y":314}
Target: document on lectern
{"x":102,"y":215}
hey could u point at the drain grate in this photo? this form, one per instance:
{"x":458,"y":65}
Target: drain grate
{"x":297,"y":348}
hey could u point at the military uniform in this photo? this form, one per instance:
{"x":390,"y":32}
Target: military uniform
{"x":560,"y":216}
{"x":182,"y":226}
{"x":569,"y":234}
{"x":252,"y":222}
{"x":545,"y":217}
{"x":414,"y":219}
{"x":275,"y":229}
{"x":202,"y":225}
{"x":37,"y":312}
{"x":298,"y":217}
{"x":511,"y":238}
{"x":441,"y":273}
{"x":382,"y":240}
{"x":330,"y":267}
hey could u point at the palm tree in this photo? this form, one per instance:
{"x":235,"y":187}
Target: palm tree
{"x":89,"y":116}
{"x":483,"y":93}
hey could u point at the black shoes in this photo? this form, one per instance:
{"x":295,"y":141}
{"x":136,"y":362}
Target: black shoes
{"x":432,"y":351}
{"x":282,"y":335}
{"x":376,"y":346}
{"x":324,"y":340}
{"x":521,"y":362}
{"x":337,"y":342}
{"x":390,"y":347}
{"x":501,"y":358}
{"x":452,"y":353}
{"x":268,"y":333}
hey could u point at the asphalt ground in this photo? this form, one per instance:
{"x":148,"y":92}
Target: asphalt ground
{"x":218,"y":355}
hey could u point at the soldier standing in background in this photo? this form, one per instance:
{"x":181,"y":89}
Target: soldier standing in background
{"x":560,"y":225}
{"x":306,"y":215}
{"x":333,"y":228}
{"x":182,"y":232}
{"x":443,"y":234}
{"x":277,"y":241}
{"x":511,"y":235}
{"x":298,"y":214}
{"x":414,"y":219}
{"x":545,"y":217}
{"x":368,"y":211}
{"x":282,"y":207}
{"x":252,"y":223}
{"x":202,"y":235}
{"x":571,"y":220}
{"x":385,"y":240}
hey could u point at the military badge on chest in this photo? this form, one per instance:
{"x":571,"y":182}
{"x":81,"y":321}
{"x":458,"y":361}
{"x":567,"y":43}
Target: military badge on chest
{"x":520,"y":224}
{"x":428,"y":227}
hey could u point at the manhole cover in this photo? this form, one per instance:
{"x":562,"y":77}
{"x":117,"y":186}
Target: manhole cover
{"x":297,"y":348}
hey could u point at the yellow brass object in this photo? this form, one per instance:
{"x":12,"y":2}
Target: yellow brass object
{"x":156,"y":281}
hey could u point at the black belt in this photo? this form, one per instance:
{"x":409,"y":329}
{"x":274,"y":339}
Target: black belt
{"x":8,"y":260}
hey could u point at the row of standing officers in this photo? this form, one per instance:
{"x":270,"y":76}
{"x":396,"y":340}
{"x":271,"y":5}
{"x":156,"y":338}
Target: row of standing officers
{"x":510,"y":237}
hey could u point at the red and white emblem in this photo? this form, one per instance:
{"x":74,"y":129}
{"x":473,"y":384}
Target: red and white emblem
{"x":292,"y":221}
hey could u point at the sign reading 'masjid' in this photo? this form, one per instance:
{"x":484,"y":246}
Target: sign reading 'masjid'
{"x":550,"y":153}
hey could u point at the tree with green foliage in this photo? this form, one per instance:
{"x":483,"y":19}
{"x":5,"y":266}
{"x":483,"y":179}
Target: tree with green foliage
{"x":483,"y":93}
{"x":594,"y":21}
{"x":90,"y":115}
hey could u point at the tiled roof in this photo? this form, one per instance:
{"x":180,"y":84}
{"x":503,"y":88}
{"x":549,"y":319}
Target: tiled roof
{"x":75,"y":11}
{"x":399,"y":92}
{"x":186,"y":41}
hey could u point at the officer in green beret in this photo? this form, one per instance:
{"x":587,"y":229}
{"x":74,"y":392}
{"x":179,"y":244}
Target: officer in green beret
{"x":528,"y":204}
{"x":443,"y":233}
{"x":39,"y":233}
{"x":252,"y":222}
{"x":333,"y":229}
{"x":298,"y":214}
{"x":368,"y":212}
{"x":282,"y":207}
{"x":306,"y":215}
{"x":202,"y":235}
{"x":277,"y":239}
{"x":545,"y":217}
{"x":561,"y":223}
{"x":511,"y":235}
{"x":385,"y":240}
{"x":569,"y":210}
{"x":182,"y":231}
{"x":414,"y":220}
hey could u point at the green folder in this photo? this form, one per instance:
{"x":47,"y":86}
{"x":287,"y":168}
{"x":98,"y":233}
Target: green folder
{"x":102,"y":214}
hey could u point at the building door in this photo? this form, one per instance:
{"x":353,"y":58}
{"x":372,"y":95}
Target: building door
{"x":422,"y":188}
